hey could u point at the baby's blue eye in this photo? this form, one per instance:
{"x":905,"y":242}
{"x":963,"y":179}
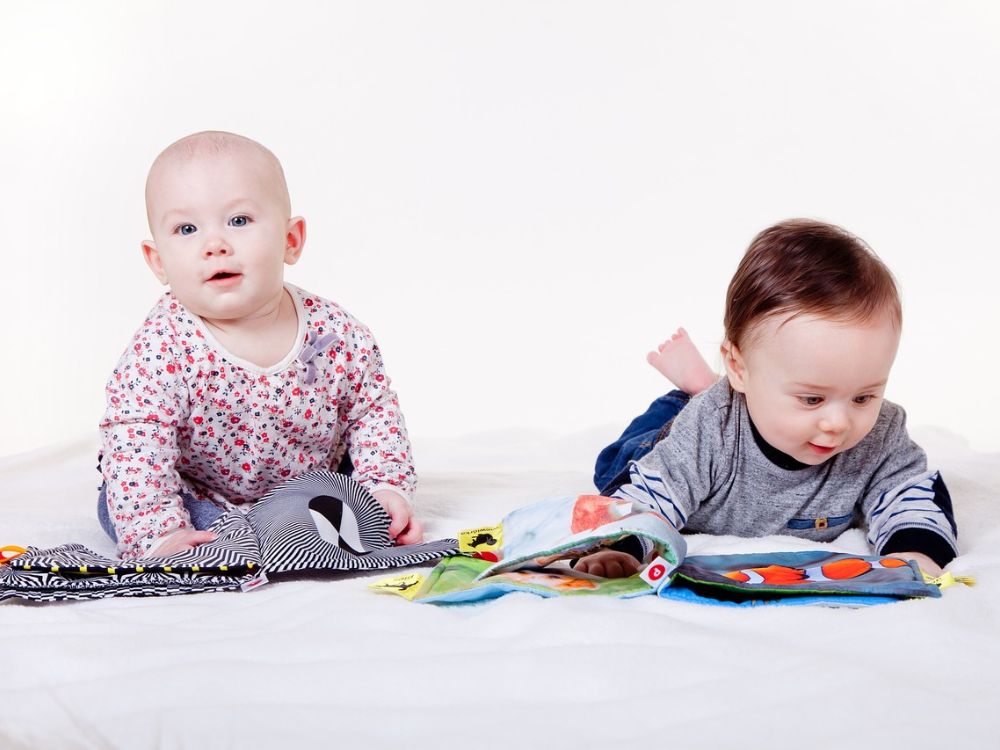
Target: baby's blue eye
{"x":186,"y":229}
{"x":811,"y":400}
{"x":239,"y":221}
{"x":863,"y":399}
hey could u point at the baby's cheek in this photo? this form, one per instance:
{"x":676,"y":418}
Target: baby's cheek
{"x":865,"y":427}
{"x":786,"y":428}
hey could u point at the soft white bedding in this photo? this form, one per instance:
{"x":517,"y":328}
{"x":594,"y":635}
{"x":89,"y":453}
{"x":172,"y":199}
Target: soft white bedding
{"x":328,"y":663}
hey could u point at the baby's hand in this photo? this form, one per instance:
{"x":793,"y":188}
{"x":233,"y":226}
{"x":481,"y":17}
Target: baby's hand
{"x":608,"y":563}
{"x":403,"y":527}
{"x":179,"y":541}
{"x":927,"y":565}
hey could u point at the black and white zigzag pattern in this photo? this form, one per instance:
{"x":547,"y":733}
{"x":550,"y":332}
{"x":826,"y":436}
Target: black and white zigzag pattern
{"x":72,"y":571}
{"x":319,"y":522}
{"x":326,"y":521}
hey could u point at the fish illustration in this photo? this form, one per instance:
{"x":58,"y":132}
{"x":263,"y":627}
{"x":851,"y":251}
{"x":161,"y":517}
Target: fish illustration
{"x":837,"y":570}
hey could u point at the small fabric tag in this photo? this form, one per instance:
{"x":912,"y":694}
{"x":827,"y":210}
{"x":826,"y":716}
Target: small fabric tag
{"x":483,"y":539}
{"x":657,"y":573}
{"x":255,"y":583}
{"x":9,"y":552}
{"x":406,"y":585}
{"x":947,"y":579}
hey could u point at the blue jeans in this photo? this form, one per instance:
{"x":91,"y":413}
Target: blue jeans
{"x":645,"y":431}
{"x":203,"y":512}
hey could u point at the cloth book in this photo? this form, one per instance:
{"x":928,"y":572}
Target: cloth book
{"x":319,"y":522}
{"x":530,"y":551}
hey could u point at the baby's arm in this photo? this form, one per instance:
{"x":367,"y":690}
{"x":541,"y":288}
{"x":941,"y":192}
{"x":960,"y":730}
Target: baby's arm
{"x":142,"y":485}
{"x":146,"y":401}
{"x":378,"y":443}
{"x":672,"y":480}
{"x":179,"y":541}
{"x":908,"y":508}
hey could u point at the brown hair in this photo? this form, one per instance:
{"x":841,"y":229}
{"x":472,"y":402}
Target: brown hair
{"x":801,"y":266}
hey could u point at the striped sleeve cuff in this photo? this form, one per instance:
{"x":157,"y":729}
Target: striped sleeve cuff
{"x":925,"y":541}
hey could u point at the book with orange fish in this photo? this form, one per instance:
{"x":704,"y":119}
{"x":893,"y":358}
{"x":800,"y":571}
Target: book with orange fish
{"x":531,"y":551}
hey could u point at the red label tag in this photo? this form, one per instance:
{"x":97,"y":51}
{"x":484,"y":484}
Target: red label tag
{"x":657,"y":573}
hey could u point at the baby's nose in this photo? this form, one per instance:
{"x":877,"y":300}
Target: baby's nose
{"x":834,"y":420}
{"x":216,"y":246}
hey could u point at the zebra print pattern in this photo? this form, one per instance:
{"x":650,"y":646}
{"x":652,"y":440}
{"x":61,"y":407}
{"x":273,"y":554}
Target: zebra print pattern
{"x":288,"y":519}
{"x":281,"y":533}
{"x":71,"y":571}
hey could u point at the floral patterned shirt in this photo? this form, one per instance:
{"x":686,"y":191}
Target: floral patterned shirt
{"x":184,"y":414}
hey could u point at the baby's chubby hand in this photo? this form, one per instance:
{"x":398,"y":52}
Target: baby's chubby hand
{"x":179,"y":541}
{"x":608,"y":563}
{"x":403,"y":527}
{"x":923,"y":562}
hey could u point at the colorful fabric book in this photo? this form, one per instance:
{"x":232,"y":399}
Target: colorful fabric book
{"x":530,"y":551}
{"x":319,"y":522}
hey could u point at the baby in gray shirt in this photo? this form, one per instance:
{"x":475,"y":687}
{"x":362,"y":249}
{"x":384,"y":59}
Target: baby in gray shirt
{"x":797,"y":438}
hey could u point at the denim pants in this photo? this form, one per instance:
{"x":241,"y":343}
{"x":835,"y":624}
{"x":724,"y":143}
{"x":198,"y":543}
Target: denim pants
{"x":645,"y":431}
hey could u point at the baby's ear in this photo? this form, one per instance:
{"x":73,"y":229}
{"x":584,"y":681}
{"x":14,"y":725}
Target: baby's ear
{"x":295,"y":238}
{"x":152,"y":258}
{"x":732,"y":358}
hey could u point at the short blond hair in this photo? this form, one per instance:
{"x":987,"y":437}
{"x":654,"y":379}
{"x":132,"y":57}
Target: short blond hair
{"x":220,"y":143}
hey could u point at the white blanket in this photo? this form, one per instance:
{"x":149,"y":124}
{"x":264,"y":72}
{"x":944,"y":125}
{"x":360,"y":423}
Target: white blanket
{"x":328,"y":663}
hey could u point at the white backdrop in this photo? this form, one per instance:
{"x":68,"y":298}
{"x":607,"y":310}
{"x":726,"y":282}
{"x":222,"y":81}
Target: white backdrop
{"x":520,"y":198}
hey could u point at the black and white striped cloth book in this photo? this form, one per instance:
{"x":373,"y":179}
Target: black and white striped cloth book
{"x":319,"y":522}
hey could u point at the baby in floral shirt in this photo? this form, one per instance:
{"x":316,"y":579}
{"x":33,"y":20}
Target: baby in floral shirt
{"x":236,"y":380}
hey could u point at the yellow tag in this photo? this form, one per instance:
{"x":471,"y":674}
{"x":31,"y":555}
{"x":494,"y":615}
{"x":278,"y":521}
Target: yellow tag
{"x":406,"y":585}
{"x":484,"y":539}
{"x":947,"y":579}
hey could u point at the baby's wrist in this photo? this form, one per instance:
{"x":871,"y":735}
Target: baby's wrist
{"x":381,"y":490}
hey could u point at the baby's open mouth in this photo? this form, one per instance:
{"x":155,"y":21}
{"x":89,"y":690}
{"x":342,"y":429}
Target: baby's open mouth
{"x":223,"y":275}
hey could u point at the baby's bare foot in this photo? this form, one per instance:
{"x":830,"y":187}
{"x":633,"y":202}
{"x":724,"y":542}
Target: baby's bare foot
{"x":682,"y":364}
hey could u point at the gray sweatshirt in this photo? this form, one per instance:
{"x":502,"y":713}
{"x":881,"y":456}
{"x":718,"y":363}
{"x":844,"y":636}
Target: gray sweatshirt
{"x":709,"y":474}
